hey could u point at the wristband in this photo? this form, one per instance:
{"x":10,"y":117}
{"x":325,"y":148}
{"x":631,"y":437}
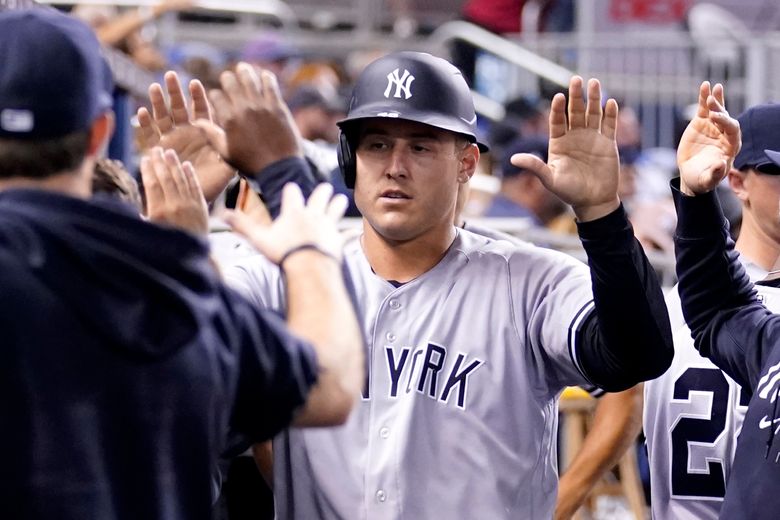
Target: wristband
{"x":303,"y":247}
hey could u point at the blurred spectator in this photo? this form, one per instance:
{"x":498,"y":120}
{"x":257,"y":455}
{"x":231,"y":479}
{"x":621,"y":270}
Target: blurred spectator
{"x":271,"y":52}
{"x":124,"y":30}
{"x":198,"y":60}
{"x":315,"y":111}
{"x":522,"y":194}
{"x":524,"y":118}
{"x":110,"y":177}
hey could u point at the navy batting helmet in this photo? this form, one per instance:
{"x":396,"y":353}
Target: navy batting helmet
{"x":412,"y":86}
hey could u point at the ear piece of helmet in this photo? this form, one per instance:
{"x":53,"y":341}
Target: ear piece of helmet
{"x":346,"y":158}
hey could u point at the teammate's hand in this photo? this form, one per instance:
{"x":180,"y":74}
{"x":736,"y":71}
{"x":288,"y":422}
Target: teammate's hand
{"x":299,"y":222}
{"x":172,"y":128}
{"x":173,"y":193}
{"x":709,"y":144}
{"x":583,"y":166}
{"x":258,"y":127}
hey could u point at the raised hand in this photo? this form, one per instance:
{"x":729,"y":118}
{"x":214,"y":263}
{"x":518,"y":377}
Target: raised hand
{"x":709,"y":144}
{"x":171,"y":127}
{"x":173,"y":193}
{"x":313,"y":222}
{"x":583,"y":166}
{"x":258,"y":127}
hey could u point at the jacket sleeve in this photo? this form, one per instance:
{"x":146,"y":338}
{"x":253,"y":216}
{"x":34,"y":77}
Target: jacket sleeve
{"x":270,"y":181}
{"x":627,"y":337}
{"x":729,"y":325}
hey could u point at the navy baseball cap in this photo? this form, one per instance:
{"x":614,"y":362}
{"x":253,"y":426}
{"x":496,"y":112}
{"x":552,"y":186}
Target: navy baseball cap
{"x":760,"y":127}
{"x":54,"y":79}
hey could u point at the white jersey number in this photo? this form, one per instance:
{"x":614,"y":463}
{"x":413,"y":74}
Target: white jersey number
{"x":689,"y":482}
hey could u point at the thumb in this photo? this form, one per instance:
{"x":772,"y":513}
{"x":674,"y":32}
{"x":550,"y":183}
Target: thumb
{"x":249,"y":228}
{"x":215,"y":135}
{"x":532,"y":163}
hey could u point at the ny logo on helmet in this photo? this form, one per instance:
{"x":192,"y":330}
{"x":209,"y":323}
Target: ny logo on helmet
{"x":402,"y":83}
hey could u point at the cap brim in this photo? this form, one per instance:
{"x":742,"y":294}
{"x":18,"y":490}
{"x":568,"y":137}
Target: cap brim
{"x":774,"y":156}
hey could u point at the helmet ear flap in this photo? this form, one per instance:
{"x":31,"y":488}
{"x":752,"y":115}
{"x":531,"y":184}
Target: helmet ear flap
{"x":346,"y":158}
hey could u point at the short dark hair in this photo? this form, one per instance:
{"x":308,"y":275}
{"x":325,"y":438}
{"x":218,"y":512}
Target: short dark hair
{"x":42,"y":158}
{"x":111,"y":177}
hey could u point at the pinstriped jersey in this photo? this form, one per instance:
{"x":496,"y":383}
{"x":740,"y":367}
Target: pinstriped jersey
{"x":458,"y":416}
{"x":692,"y":417}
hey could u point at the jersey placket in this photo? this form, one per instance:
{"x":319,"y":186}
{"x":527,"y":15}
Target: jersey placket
{"x":381,"y":491}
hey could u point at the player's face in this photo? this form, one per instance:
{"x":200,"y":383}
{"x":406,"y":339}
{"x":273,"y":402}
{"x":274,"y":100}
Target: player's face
{"x":408,"y":176}
{"x":763,"y":191}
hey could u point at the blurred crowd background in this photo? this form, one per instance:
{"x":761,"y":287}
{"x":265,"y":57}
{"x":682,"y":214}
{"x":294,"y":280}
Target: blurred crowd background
{"x":649,"y":54}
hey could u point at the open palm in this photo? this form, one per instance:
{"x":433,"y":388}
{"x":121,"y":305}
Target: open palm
{"x":583,"y":166}
{"x":709,"y":144}
{"x":172,"y":128}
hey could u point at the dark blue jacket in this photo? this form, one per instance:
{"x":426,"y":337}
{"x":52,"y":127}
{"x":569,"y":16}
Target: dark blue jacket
{"x":124,"y":361}
{"x":732,"y":328}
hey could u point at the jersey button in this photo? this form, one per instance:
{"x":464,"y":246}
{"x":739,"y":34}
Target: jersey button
{"x":395,"y":304}
{"x":390,"y":337}
{"x":384,"y":433}
{"x":381,"y":495}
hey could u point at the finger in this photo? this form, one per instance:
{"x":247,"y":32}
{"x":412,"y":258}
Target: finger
{"x":717,"y":92}
{"x":728,"y":126}
{"x":223,"y":109}
{"x":270,"y":86}
{"x":532,"y":163}
{"x":593,"y":118}
{"x":609,"y":125}
{"x":292,"y":198}
{"x":247,"y":78}
{"x":704,"y":93}
{"x":191,"y":180}
{"x":148,"y":133}
{"x":162,"y":116}
{"x":167,"y":185}
{"x":320,"y":197}
{"x":200,"y":103}
{"x":215,"y":136}
{"x":232,"y":89}
{"x":576,"y":103}
{"x":337,"y":207}
{"x":248,"y":227}
{"x":558,"y":116}
{"x":179,"y":112}
{"x":151,"y":185}
{"x":175,"y":173}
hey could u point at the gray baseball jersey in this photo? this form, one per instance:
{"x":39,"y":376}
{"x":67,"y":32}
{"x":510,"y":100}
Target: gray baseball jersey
{"x":459,"y":411}
{"x":692,"y":417}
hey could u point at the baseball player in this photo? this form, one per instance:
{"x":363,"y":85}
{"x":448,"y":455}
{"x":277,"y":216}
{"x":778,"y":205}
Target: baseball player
{"x":470,"y":340}
{"x":727,"y":320}
{"x":694,"y":412}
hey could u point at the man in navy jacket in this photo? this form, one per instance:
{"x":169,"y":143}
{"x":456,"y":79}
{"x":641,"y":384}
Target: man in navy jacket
{"x":728,"y":323}
{"x":125,"y":361}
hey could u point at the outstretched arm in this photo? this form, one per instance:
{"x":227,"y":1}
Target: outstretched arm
{"x":727,"y":322}
{"x":627,"y":339}
{"x":306,"y":244}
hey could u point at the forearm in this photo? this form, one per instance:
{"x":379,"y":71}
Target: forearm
{"x":320,"y":311}
{"x":616,"y":424}
{"x":628,"y":338}
{"x":716,"y":294}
